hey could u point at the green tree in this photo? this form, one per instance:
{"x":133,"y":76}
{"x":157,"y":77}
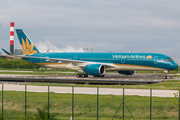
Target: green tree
{"x":12,"y":63}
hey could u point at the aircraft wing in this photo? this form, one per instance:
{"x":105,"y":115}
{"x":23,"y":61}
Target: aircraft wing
{"x":74,"y":62}
{"x":79,"y":62}
{"x":59,"y":60}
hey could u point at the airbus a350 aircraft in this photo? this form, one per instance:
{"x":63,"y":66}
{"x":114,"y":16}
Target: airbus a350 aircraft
{"x":95,"y":63}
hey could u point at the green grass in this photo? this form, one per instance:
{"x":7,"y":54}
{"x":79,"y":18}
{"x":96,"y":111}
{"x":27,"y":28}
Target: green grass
{"x":85,"y":106}
{"x":40,"y":70}
{"x":29,"y":73}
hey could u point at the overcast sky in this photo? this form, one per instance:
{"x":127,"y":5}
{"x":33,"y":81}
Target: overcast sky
{"x":104,"y":25}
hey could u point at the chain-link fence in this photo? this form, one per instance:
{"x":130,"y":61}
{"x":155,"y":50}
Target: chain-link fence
{"x":64,"y":106}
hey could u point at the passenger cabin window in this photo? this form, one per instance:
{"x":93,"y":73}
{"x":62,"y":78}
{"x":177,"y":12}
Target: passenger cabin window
{"x":169,"y":59}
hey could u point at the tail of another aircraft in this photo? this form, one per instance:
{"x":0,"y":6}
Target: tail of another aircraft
{"x":28,"y":47}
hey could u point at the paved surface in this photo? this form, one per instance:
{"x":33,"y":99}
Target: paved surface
{"x":84,"y":90}
{"x":113,"y":76}
{"x":110,"y":78}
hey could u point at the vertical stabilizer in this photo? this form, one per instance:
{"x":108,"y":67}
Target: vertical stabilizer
{"x":28,"y":47}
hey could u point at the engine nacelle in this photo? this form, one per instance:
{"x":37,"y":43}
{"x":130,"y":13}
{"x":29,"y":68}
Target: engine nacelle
{"x":95,"y":69}
{"x":127,"y":72}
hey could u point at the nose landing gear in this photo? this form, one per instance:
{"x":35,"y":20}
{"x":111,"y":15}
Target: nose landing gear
{"x":165,"y":76}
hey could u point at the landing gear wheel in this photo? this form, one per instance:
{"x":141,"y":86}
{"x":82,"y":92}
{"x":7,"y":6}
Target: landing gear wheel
{"x":102,"y":75}
{"x":82,"y":75}
{"x":79,"y":75}
{"x":165,"y":76}
{"x":85,"y":75}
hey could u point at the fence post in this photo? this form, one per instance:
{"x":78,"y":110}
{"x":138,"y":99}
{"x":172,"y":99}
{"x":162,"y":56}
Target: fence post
{"x":150,"y":102}
{"x":2,"y":101}
{"x":97,"y":101}
{"x":48,"y":101}
{"x":123,"y":103}
{"x":25,"y":100}
{"x":179,"y":104}
{"x":72,"y":102}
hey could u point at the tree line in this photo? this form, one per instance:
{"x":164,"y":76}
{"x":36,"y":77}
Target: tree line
{"x":20,"y":63}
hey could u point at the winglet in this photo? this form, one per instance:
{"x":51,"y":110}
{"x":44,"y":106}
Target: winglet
{"x":6,"y":52}
{"x":28,"y":47}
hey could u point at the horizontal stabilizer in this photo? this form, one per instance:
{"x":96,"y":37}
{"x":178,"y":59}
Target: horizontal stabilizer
{"x":11,"y":56}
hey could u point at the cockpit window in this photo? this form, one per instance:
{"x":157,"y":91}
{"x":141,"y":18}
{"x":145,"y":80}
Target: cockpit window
{"x":169,"y":59}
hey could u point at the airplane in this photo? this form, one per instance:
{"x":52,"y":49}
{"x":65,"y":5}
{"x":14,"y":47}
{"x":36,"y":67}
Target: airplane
{"x":95,"y":64}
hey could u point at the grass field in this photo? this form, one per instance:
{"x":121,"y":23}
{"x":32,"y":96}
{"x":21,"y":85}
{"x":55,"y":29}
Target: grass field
{"x":85,"y":106}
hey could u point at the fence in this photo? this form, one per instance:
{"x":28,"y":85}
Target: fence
{"x":65,"y":106}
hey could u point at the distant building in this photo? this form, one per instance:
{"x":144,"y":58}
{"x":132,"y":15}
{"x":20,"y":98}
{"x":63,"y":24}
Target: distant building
{"x":18,"y":52}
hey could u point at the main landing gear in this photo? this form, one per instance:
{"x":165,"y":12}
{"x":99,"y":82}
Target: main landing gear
{"x":82,"y":75}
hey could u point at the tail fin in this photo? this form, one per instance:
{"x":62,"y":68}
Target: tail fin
{"x":28,"y":47}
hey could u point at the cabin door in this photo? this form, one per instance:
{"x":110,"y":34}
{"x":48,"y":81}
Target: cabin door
{"x":41,"y":60}
{"x":156,"y":60}
{"x":122,"y":60}
{"x":75,"y":57}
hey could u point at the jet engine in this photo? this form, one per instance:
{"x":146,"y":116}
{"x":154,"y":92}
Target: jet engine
{"x":95,"y":70}
{"x":127,"y":72}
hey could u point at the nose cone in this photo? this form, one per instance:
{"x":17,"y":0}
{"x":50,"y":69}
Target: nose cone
{"x":174,"y":66}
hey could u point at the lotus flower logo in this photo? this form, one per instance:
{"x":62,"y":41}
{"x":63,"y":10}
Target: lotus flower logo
{"x":27,"y":47}
{"x":149,"y":56}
